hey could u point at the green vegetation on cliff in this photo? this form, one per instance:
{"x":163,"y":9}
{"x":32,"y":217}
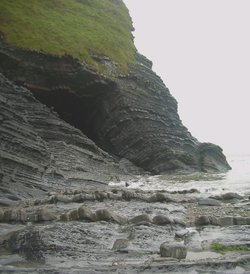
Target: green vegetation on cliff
{"x":80,"y":28}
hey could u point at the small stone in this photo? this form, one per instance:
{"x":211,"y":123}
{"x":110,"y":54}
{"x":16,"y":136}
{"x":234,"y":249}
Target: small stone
{"x":1,"y":215}
{"x":231,"y":195}
{"x":120,"y":244}
{"x":78,"y":198}
{"x":63,"y":199}
{"x":52,"y":193}
{"x":226,"y":221}
{"x":142,"y":219}
{"x":73,"y":215}
{"x":209,"y":202}
{"x":100,"y":196}
{"x":178,"y":221}
{"x":128,"y":195}
{"x":64,"y":217}
{"x":161,"y":220}
{"x":45,"y":216}
{"x":86,"y":214}
{"x":160,"y":198}
{"x":228,"y":196}
{"x":193,"y":241}
{"x":206,"y":220}
{"x":11,"y":215}
{"x":173,"y":250}
{"x":181,"y":233}
{"x":109,"y":216}
{"x":103,"y":215}
{"x":113,"y":196}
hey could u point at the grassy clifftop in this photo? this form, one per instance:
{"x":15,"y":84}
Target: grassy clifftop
{"x":78,"y":28}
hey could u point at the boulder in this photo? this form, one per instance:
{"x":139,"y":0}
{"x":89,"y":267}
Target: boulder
{"x":173,"y":250}
{"x":109,"y":216}
{"x":86,"y":214}
{"x":193,"y":241}
{"x":241,"y":220}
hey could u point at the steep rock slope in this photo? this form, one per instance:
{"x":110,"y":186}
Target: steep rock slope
{"x":119,"y":103}
{"x":39,"y":151}
{"x":140,"y":122}
{"x":132,"y":116}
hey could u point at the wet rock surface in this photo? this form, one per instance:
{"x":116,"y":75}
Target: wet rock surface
{"x":88,"y":231}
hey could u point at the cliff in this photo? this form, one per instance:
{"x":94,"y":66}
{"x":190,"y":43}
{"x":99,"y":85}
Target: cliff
{"x":40,"y":152}
{"x":100,"y":95}
{"x":81,"y":115}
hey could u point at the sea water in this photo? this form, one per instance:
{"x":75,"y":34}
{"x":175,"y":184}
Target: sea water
{"x":236,"y":180}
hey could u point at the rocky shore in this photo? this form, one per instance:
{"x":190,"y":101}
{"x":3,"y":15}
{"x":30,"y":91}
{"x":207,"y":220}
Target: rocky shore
{"x":63,"y":208}
{"x":82,"y":115}
{"x":123,"y":230}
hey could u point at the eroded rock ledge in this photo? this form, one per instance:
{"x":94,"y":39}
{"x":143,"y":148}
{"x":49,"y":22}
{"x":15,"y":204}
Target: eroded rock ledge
{"x":131,"y":116}
{"x":115,"y":229}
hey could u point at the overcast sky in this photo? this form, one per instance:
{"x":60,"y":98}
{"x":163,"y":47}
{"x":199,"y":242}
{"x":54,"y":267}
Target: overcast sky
{"x":201,"y":50}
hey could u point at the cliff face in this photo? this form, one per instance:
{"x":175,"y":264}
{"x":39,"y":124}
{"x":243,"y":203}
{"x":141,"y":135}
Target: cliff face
{"x":129,"y":114}
{"x":139,"y":121}
{"x":40,"y":152}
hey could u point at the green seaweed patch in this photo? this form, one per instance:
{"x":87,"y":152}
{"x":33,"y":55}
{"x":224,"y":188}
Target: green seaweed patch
{"x":79,"y":28}
{"x":220,"y":248}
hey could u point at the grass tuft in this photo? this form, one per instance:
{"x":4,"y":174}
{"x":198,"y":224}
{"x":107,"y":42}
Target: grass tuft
{"x":217,"y":247}
{"x":79,"y":28}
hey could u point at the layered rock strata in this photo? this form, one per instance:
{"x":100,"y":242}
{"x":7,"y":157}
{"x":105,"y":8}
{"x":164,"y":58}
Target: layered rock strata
{"x":131,"y":116}
{"x":39,"y":151}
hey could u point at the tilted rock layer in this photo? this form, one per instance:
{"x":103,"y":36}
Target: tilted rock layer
{"x":39,"y":151}
{"x":132,"y":116}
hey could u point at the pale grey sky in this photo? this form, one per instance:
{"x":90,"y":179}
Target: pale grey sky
{"x":201,"y":50}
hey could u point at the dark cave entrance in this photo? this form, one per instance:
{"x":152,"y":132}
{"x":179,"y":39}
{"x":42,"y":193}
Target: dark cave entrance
{"x":84,"y":112}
